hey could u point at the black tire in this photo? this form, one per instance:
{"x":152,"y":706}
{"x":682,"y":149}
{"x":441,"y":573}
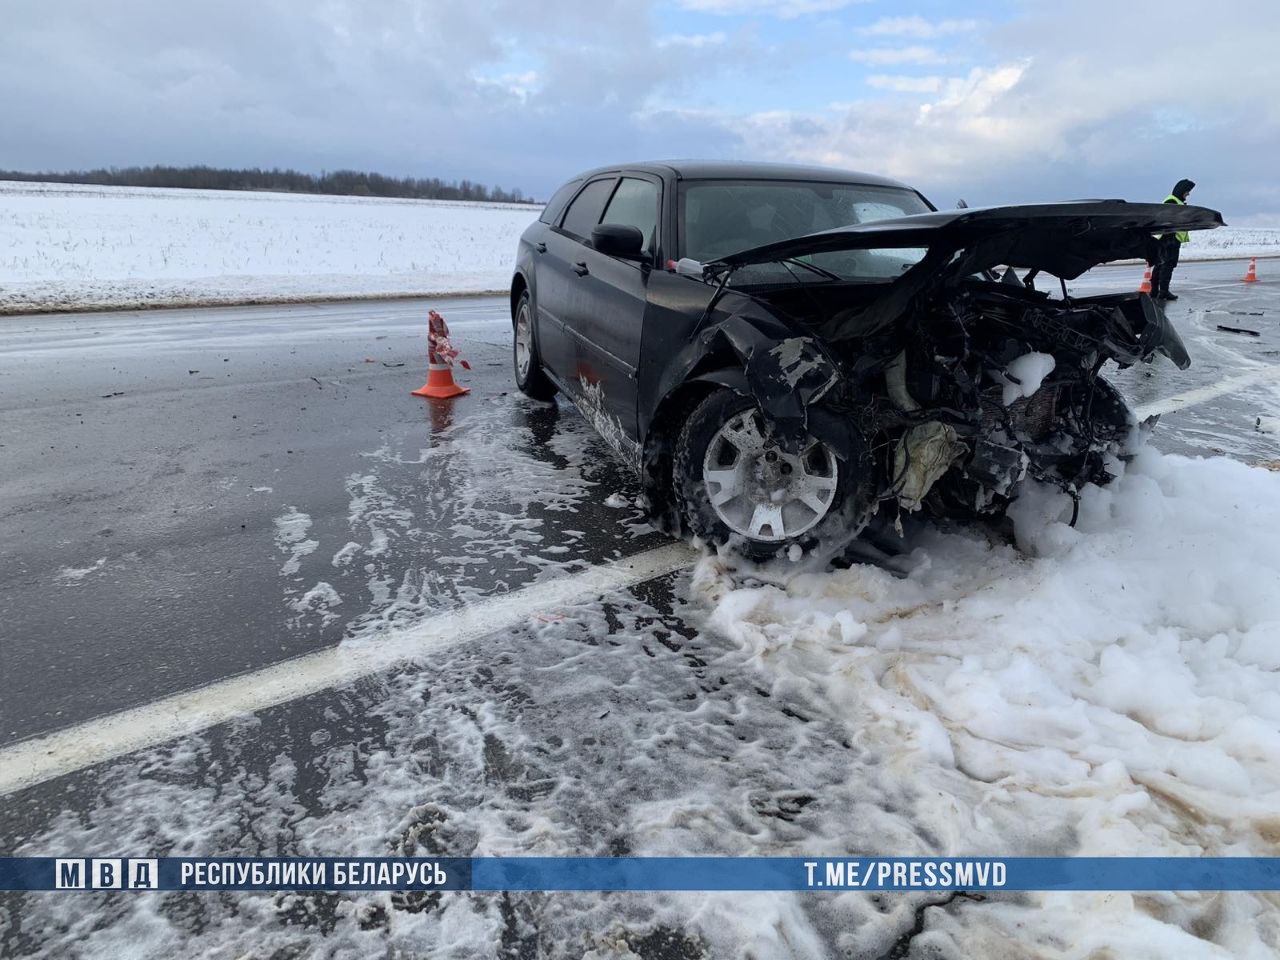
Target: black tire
{"x":692,"y":496}
{"x":533,"y":383}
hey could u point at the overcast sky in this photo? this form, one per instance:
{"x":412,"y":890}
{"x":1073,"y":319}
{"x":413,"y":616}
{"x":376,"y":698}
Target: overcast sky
{"x":990,"y":101}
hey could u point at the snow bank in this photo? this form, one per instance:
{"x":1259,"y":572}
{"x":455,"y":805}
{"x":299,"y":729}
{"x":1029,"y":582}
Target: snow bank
{"x":74,"y":246}
{"x":1227,"y":242}
{"x":1112,"y":690}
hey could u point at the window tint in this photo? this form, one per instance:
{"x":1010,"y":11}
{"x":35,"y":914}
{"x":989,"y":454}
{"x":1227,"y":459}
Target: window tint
{"x":584,"y":212}
{"x":551,"y":212}
{"x":635,"y":203}
{"x":723,"y":217}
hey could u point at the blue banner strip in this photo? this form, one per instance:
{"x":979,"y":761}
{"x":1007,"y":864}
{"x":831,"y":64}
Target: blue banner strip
{"x":876,"y":873}
{"x":642,"y":873}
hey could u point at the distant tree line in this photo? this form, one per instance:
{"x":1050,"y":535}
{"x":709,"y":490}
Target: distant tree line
{"x":350,"y":183}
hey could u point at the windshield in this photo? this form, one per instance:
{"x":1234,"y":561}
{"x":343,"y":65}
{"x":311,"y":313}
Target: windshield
{"x":721,"y":217}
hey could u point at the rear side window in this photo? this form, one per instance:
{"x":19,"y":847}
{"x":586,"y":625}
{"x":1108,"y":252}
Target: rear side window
{"x":635,"y":203}
{"x":551,"y":212}
{"x":584,"y":212}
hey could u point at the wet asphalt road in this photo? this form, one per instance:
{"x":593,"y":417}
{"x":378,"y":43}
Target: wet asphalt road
{"x":177,"y":485}
{"x":1211,"y":295}
{"x":150,"y":457}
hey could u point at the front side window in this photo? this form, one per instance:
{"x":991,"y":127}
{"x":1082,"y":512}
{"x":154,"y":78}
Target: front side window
{"x":558,"y":199}
{"x":584,"y":213}
{"x":719,"y":218}
{"x":635,"y":203}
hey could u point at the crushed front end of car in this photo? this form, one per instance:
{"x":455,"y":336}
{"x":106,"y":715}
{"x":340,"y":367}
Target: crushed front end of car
{"x":946,"y":387}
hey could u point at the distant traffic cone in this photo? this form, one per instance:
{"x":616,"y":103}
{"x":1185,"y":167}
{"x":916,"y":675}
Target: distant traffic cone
{"x":1146,"y":282}
{"x":1251,"y":275}
{"x":440,"y":357}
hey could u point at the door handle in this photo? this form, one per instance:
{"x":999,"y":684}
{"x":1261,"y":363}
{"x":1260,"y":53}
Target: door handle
{"x":580,"y":268}
{"x":540,"y":247}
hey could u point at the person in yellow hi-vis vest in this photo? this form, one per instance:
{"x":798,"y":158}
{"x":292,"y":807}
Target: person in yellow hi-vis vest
{"x":1169,"y":245}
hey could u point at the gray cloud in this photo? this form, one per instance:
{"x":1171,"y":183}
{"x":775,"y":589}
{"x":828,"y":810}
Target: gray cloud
{"x":1074,"y":100}
{"x":402,"y":86}
{"x":1093,"y":98}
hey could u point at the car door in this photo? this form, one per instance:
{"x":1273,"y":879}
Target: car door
{"x":559,"y":286}
{"x":607,"y":317}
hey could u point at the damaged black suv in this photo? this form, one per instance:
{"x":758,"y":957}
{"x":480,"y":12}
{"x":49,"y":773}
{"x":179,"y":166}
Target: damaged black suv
{"x":784,"y":353}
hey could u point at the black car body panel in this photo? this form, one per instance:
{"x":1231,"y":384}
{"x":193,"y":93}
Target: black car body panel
{"x":1062,"y":239}
{"x":631,"y":341}
{"x":1065,"y":239}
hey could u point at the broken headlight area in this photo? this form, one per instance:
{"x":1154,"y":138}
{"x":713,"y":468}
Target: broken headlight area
{"x":941,"y":388}
{"x":985,"y":388}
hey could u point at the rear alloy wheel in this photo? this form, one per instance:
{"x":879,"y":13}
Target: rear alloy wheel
{"x":529,"y":376}
{"x":737,"y":485}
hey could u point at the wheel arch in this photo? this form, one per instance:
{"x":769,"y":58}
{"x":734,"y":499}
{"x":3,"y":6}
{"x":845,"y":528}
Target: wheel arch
{"x":519,"y":286}
{"x":713,"y":371}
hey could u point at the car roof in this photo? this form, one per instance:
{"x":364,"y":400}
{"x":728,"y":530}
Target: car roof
{"x":741,"y":170}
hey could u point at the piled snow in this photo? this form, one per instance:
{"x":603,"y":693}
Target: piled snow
{"x":1112,"y":690}
{"x":1025,"y":374}
{"x":64,"y":246}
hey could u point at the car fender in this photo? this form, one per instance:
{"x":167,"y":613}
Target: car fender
{"x":523,"y":274}
{"x":784,"y":371}
{"x":735,"y":378}
{"x":759,"y":355}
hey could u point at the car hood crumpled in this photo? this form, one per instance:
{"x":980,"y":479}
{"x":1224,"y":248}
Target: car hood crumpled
{"x":1063,"y":239}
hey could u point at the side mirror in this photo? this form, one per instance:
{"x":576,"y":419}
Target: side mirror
{"x":618,"y":240}
{"x":961,"y":205}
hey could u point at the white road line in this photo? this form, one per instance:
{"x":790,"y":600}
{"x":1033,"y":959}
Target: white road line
{"x":43,"y":758}
{"x":1201,"y":394}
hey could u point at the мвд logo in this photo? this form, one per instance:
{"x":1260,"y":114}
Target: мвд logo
{"x":104,"y":874}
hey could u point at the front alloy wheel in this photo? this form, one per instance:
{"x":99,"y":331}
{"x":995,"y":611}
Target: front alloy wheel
{"x":738,"y":485}
{"x":759,"y":490}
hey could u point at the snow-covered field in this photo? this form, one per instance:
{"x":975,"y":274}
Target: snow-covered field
{"x":80,"y":247}
{"x":76,"y":247}
{"x":1227,"y":242}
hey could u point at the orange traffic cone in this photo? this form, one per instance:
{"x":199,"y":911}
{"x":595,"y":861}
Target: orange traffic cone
{"x":1146,"y":282}
{"x":440,"y":357}
{"x":440,"y":383}
{"x":1251,"y":275}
